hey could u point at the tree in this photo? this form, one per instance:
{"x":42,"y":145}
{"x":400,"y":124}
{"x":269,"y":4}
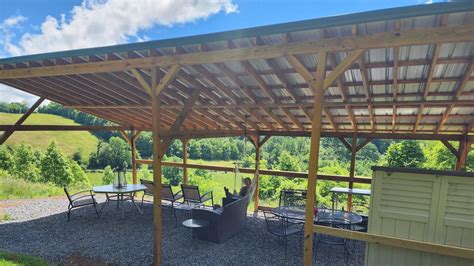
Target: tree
{"x":287,"y":162}
{"x":438,"y":156}
{"x":108,"y":176}
{"x":26,"y":163}
{"x":407,"y":153}
{"x":77,"y":157}
{"x":173,"y":174}
{"x":55,"y":167}
{"x":115,"y":153}
{"x":6,"y":158}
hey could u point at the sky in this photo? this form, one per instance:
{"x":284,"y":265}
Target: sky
{"x":39,"y":26}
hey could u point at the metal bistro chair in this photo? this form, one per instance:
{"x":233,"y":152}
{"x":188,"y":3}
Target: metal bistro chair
{"x":281,"y":228}
{"x":168,"y":195}
{"x":332,"y":240}
{"x":80,"y":199}
{"x":191,"y":195}
{"x":150,"y":187}
{"x":293,"y":199}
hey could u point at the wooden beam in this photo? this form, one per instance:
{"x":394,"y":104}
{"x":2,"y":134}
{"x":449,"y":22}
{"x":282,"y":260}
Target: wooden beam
{"x":125,"y":136}
{"x":346,"y":143}
{"x":451,"y":148}
{"x":459,"y":88}
{"x":353,"y":104}
{"x":181,"y":117}
{"x":264,"y":140}
{"x":342,"y":91}
{"x":366,"y":86}
{"x":157,"y":157}
{"x":136,"y":73}
{"x":342,"y":67}
{"x":257,"y":175}
{"x":263,"y":172}
{"x":167,"y":79}
{"x":9,"y":131}
{"x":463,"y":33}
{"x":352,"y":169}
{"x":397,"y":242}
{"x":363,"y":143}
{"x":463,"y":151}
{"x":185,"y":160}
{"x":133,"y":146}
{"x":318,"y":89}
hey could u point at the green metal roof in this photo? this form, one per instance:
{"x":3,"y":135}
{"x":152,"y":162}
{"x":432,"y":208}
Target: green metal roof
{"x":311,"y":24}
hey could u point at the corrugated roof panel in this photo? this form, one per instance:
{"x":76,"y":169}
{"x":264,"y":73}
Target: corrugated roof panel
{"x":463,"y":110}
{"x":407,"y":110}
{"x":220,"y":45}
{"x":382,"y":111}
{"x":376,"y":74}
{"x":282,"y":63}
{"x":462,"y":49}
{"x":248,"y":81}
{"x":379,"y":55}
{"x":235,"y":66}
{"x":274,"y":39}
{"x":212,"y":68}
{"x":306,"y":91}
{"x":375,"y":27}
{"x":450,"y":70}
{"x":434,"y":111}
{"x":352,"y":75}
{"x":294,"y":79}
{"x":243,"y":42}
{"x":414,"y":52}
{"x":271,"y":80}
{"x":305,"y":35}
{"x":415,"y":72}
{"x":455,"y":19}
{"x":260,"y":64}
{"x":309,"y":60}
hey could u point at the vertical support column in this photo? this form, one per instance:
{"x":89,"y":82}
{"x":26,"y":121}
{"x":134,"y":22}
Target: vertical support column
{"x":257,"y":174}
{"x":185,"y":160}
{"x":318,"y":89}
{"x":157,"y":155}
{"x":464,"y":148}
{"x":134,"y":156}
{"x":352,"y":170}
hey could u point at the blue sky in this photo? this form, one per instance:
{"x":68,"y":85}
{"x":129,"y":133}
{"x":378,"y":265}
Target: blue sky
{"x":36,"y":26}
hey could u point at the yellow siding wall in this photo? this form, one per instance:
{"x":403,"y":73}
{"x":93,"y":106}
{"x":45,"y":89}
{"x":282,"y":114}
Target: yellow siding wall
{"x":416,"y":206}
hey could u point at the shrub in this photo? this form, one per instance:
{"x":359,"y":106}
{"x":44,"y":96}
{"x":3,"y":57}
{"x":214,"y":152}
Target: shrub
{"x":108,"y":175}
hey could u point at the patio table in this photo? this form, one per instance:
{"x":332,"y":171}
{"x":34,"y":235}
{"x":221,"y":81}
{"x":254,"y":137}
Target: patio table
{"x":120,"y":194}
{"x":323,"y":216}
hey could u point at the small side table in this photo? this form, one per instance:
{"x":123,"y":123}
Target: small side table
{"x":195,"y":224}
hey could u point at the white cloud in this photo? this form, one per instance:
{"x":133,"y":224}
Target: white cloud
{"x":99,"y":23}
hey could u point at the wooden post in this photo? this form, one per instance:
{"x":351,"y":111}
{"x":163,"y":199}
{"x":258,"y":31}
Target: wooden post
{"x":20,"y":121}
{"x":185,"y":160}
{"x":157,"y":155}
{"x":257,"y":174}
{"x":134,"y":156}
{"x":464,"y":148}
{"x":318,"y":91}
{"x":352,"y":170}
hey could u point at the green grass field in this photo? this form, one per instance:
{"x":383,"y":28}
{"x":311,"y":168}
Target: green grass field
{"x":11,"y":259}
{"x":68,"y":141}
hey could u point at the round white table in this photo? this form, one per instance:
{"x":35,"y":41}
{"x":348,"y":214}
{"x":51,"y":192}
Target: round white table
{"x":120,"y":194}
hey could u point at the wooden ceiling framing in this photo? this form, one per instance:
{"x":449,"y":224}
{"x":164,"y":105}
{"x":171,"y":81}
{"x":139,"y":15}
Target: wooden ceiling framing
{"x":260,"y":83}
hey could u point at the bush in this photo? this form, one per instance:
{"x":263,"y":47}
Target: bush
{"x":407,"y":153}
{"x":6,"y":158}
{"x":108,"y":176}
{"x":55,"y":167}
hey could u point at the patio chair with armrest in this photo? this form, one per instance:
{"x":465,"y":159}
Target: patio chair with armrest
{"x":191,"y":195}
{"x":168,"y":195}
{"x":80,"y":199}
{"x":150,"y":188}
{"x":280,"y":227}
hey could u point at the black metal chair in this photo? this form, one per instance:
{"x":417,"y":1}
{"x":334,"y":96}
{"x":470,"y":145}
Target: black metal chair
{"x":168,"y":195}
{"x":292,"y":197}
{"x":192,"y":195}
{"x":150,"y":188}
{"x":332,"y":240}
{"x":281,"y":228}
{"x":80,"y":199}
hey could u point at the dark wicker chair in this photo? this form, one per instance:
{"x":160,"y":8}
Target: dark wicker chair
{"x":80,"y":199}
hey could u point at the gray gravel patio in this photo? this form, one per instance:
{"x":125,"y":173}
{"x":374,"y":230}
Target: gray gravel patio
{"x":39,"y":227}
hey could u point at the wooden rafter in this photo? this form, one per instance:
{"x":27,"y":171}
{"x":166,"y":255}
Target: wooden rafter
{"x":20,"y":121}
{"x":457,"y":92}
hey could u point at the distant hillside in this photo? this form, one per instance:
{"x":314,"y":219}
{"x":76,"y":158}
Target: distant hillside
{"x":69,"y":141}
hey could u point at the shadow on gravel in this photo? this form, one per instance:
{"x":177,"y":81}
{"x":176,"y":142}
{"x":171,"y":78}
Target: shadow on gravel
{"x":111,"y":240}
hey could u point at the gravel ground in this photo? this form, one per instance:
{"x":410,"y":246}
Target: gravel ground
{"x":39,"y":227}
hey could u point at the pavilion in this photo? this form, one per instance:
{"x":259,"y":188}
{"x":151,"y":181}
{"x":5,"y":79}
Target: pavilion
{"x":401,"y":73}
